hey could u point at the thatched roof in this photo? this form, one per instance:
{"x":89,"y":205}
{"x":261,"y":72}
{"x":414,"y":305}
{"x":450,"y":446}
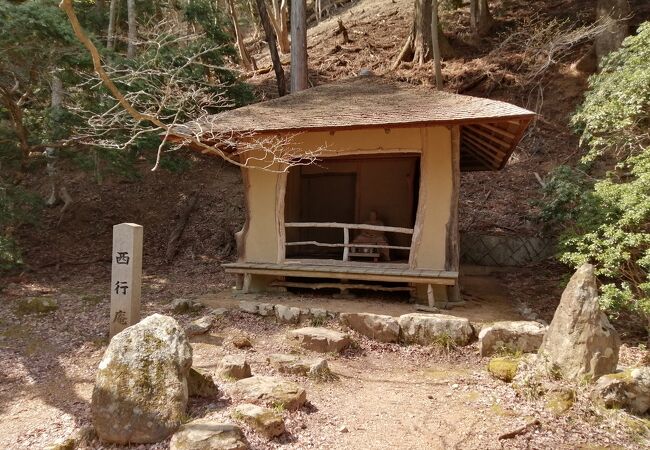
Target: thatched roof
{"x":490,"y":129}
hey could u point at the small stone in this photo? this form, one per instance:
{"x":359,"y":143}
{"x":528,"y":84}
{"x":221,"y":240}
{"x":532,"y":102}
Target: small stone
{"x":430,"y":397}
{"x":184,"y":305}
{"x":208,"y":434}
{"x":271,"y":391}
{"x":343,"y":429}
{"x":265,"y":309}
{"x":318,"y":313}
{"x":199,"y":326}
{"x":375,"y":326}
{"x":263,"y":420}
{"x":504,"y":368}
{"x":65,"y":444}
{"x":241,"y":341}
{"x":249,"y":307}
{"x":37,"y":305}
{"x":200,"y":384}
{"x":234,"y":367}
{"x":296,"y":365}
{"x":287,"y":314}
{"x":455,"y":386}
{"x":320,"y":339}
{"x":218,"y":312}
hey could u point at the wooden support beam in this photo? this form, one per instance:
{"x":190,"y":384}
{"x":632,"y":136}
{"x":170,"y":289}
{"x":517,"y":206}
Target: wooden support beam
{"x":489,"y":136}
{"x":352,"y":226}
{"x":324,"y":244}
{"x":469,"y":134}
{"x":480,"y":155}
{"x":496,"y":129}
{"x":346,"y":244}
{"x":452,"y":253}
{"x":369,"y":287}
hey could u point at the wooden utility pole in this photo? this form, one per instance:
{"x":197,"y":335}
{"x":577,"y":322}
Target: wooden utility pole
{"x":126,"y":276}
{"x":298,"y":45}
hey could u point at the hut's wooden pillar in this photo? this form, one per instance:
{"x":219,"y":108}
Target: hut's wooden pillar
{"x":452,"y":255}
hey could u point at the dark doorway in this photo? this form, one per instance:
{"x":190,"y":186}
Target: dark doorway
{"x":327,"y":197}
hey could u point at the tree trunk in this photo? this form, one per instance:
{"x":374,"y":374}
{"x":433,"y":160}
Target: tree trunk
{"x":244,"y":56}
{"x":615,"y":14}
{"x":417,"y":47}
{"x":110,"y":35}
{"x":133,"y":28}
{"x":299,"y":78}
{"x":17,"y":120}
{"x":50,"y":152}
{"x":485,"y":20}
{"x":279,"y":20}
{"x":254,"y":20}
{"x":270,"y":38}
{"x":473,"y":15}
{"x":436,"y":44}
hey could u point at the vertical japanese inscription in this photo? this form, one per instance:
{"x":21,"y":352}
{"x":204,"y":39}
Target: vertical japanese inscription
{"x":126,"y":276}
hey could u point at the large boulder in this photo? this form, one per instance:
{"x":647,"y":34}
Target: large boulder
{"x":515,"y":336}
{"x":375,"y":326}
{"x":272,"y":391}
{"x":207,"y":434}
{"x":140,"y":393}
{"x":321,"y":340}
{"x":629,"y":390}
{"x":580,"y":342}
{"x":266,"y":421}
{"x":427,"y":329}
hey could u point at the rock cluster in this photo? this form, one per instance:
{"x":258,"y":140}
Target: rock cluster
{"x":285,"y":314}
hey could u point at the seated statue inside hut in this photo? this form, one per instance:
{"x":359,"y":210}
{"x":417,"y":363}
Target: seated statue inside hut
{"x":371,"y":238}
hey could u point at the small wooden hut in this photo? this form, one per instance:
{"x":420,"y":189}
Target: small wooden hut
{"x":379,"y":208}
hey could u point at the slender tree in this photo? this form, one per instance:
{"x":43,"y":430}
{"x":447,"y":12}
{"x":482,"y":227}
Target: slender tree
{"x":273,"y":49}
{"x":110,"y":35}
{"x":436,"y":45}
{"x":279,"y":21}
{"x":133,"y":28}
{"x":244,"y":56}
{"x":299,"y":74}
{"x":484,"y":21}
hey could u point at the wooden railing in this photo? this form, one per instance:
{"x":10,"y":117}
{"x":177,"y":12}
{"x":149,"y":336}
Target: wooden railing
{"x":346,"y":227}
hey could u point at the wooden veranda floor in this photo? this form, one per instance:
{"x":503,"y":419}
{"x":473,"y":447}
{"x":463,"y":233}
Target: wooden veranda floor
{"x":323,"y":268}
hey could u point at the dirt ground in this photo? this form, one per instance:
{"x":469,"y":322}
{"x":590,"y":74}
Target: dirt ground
{"x":387,"y":396}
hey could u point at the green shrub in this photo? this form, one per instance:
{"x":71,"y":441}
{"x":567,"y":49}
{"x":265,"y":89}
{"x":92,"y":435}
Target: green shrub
{"x":602,"y":206}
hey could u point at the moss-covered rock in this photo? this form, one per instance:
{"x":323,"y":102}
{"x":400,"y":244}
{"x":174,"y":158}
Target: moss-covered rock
{"x":503,"y":368}
{"x":37,"y":305}
{"x":140,"y":393}
{"x":560,"y":400}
